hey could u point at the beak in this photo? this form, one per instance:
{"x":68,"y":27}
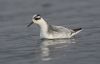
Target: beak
{"x":30,"y":24}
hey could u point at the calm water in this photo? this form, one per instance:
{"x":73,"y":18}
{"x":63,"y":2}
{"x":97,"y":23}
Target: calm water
{"x":21,"y":45}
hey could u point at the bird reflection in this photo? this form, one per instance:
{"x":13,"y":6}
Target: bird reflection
{"x":56,"y":43}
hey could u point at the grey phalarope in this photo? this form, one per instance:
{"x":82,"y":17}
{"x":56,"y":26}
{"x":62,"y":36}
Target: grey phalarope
{"x":51,"y":31}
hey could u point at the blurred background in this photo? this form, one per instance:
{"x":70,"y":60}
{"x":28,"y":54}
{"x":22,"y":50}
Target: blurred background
{"x":21,"y":45}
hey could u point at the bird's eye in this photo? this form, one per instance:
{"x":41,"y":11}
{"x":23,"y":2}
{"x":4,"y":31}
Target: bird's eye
{"x":37,"y":17}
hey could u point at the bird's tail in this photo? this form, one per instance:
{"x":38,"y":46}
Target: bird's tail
{"x":76,"y":31}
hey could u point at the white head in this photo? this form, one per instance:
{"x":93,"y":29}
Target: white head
{"x":37,"y":19}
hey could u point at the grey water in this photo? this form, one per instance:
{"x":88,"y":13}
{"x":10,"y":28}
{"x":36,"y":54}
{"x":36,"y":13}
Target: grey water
{"x":22,"y":45}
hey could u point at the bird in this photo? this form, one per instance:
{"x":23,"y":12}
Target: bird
{"x":48,"y":31}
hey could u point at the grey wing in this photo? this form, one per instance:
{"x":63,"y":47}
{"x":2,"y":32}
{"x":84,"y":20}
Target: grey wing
{"x":58,"y":29}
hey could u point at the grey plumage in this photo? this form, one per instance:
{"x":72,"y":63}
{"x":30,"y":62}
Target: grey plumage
{"x":52,"y":29}
{"x":58,"y":29}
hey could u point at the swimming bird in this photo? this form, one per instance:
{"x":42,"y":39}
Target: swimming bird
{"x":51,"y":31}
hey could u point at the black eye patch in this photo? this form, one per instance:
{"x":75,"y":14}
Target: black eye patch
{"x":37,"y":18}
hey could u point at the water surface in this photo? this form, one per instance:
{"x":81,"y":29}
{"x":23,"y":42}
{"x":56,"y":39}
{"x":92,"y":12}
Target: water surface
{"x":21,"y":45}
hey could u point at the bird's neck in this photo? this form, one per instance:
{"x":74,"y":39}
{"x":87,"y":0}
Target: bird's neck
{"x":43,"y":26}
